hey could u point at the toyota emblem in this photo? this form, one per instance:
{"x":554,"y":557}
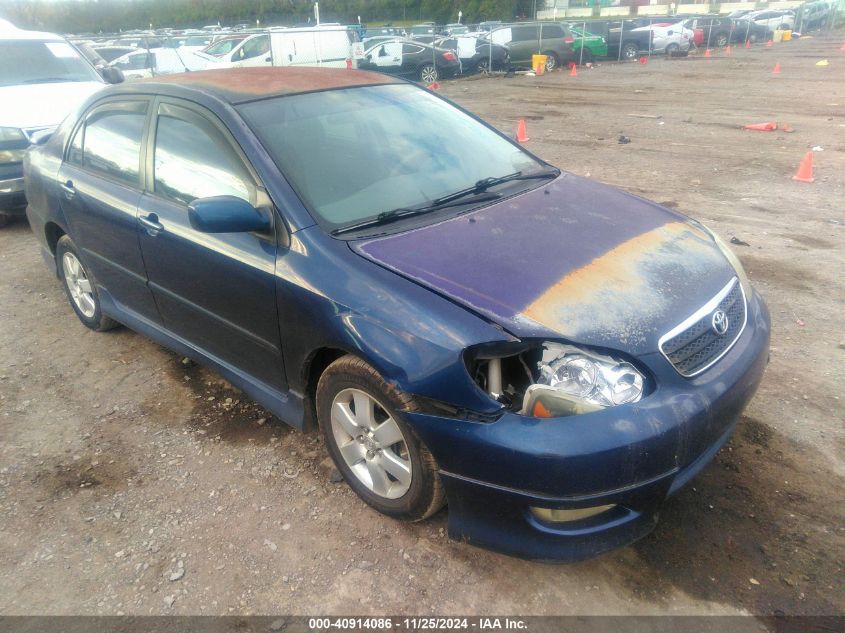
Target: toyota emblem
{"x":720,"y":322}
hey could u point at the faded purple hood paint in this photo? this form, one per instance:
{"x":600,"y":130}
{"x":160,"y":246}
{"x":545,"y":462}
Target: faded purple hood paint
{"x":574,"y":259}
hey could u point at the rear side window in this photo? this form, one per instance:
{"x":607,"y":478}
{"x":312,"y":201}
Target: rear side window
{"x":552,"y":30}
{"x":193,"y":159}
{"x":110,"y":141}
{"x":524,"y":33}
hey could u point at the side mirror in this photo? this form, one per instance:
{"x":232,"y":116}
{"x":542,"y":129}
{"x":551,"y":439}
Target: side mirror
{"x":41,"y":137}
{"x":113,"y":75}
{"x":226,"y":214}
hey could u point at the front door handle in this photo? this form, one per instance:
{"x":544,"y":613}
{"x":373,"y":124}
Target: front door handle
{"x":67,"y":188}
{"x":151,"y":224}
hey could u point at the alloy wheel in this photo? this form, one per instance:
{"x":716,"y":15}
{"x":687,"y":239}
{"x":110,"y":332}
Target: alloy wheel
{"x":428,"y":74}
{"x":79,"y":285}
{"x":371,"y":443}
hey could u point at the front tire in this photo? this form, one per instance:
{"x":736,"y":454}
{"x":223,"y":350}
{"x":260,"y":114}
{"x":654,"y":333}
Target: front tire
{"x":378,"y":454}
{"x":428,"y":74}
{"x":483,"y":66}
{"x":81,"y":287}
{"x":672,"y":49}
{"x":721,"y":40}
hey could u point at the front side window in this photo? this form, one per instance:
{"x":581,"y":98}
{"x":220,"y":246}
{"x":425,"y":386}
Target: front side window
{"x":254,"y":47}
{"x":552,"y":30}
{"x":193,"y":159}
{"x":111,"y":145}
{"x":400,"y":147}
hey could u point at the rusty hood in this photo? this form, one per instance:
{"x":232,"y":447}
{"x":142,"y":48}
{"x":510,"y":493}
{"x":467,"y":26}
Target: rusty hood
{"x":574,"y":259}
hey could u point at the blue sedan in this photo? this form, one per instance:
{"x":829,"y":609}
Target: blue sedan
{"x":463,"y":322}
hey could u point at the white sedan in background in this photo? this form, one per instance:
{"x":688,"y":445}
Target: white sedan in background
{"x":669,"y":38}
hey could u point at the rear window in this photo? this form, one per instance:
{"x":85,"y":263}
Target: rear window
{"x":36,"y":62}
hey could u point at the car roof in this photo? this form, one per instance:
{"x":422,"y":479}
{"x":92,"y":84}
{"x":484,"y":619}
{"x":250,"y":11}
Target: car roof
{"x":238,"y":85}
{"x":9,"y":32}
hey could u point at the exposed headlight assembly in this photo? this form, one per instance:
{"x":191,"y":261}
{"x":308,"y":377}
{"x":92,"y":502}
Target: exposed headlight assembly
{"x":574,"y":381}
{"x":8,"y":156}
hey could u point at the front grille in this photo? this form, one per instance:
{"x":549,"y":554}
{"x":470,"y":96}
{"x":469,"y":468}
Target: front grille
{"x":694,"y":345}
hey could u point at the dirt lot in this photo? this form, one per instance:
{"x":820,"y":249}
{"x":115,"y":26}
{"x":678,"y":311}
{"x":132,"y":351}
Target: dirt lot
{"x":132,"y":483}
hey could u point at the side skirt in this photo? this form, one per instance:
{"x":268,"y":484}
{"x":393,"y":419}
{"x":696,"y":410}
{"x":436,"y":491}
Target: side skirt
{"x":289,"y":407}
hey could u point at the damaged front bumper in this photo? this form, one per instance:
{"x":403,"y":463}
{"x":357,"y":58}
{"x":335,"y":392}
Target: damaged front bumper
{"x":505,"y":479}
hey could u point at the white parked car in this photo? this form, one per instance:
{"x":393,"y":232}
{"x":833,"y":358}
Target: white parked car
{"x":669,"y":39}
{"x":774,"y":19}
{"x":144,"y":63}
{"x":42,"y":79}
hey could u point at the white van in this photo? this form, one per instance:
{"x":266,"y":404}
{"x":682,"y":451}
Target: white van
{"x":330,"y":46}
{"x":42,"y":79}
{"x":253,"y":50}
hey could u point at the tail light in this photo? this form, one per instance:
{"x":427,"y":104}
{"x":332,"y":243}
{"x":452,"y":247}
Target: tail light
{"x":449,"y":56}
{"x":569,"y":40}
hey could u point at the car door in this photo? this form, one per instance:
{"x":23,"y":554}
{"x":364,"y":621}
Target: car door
{"x":387,"y":57}
{"x":253,"y":52}
{"x":414,"y":57}
{"x":525,"y":42}
{"x":214,"y":290}
{"x":100,"y":186}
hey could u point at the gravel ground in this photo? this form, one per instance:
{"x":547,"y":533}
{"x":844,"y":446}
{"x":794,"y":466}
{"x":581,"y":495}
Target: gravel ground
{"x":131,"y":482}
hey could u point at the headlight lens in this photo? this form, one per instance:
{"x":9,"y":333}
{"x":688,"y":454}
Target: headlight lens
{"x":574,"y":381}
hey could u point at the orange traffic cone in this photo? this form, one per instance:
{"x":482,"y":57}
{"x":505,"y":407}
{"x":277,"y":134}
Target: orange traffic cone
{"x":643,"y":60}
{"x":573,"y":71}
{"x":769,"y":44}
{"x":768,"y":126}
{"x":747,"y":43}
{"x":521,"y":132}
{"x":776,"y":69}
{"x":805,"y":169}
{"x":708,"y":53}
{"x":433,"y":86}
{"x":728,"y":49}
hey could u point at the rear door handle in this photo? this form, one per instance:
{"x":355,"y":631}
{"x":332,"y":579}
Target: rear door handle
{"x":67,"y":188}
{"x":151,"y":224}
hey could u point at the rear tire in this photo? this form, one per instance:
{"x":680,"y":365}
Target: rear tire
{"x":483,"y":66}
{"x":428,"y":73}
{"x":721,"y":40}
{"x":361,"y":425}
{"x":630,"y":50}
{"x":672,"y":49}
{"x":551,"y":61}
{"x":81,"y":287}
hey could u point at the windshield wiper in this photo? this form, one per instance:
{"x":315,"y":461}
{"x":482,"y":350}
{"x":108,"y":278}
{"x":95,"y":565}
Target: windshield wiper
{"x":387,"y":217}
{"x":485,"y":183}
{"x":478,"y":192}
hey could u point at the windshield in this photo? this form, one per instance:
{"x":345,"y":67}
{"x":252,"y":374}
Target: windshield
{"x":223,"y":46}
{"x":34,"y":62}
{"x":356,"y":153}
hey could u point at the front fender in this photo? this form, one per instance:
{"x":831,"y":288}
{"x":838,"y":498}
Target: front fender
{"x":332,"y":298}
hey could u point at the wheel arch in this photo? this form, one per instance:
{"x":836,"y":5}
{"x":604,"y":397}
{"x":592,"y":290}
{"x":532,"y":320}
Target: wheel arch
{"x":313,"y":367}
{"x":52,"y":234}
